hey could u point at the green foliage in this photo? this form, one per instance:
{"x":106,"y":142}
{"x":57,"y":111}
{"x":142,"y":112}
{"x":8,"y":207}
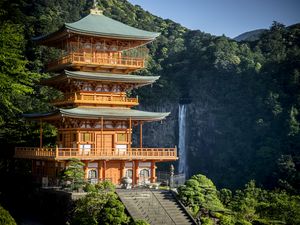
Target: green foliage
{"x":6,"y":218}
{"x":225,"y":195}
{"x":252,"y":205}
{"x":258,"y":206}
{"x":15,"y":79}
{"x":104,"y":186}
{"x":248,"y":92}
{"x":99,"y":208}
{"x":140,"y":222}
{"x":73,"y":175}
{"x":199,"y":193}
{"x":206,"y":221}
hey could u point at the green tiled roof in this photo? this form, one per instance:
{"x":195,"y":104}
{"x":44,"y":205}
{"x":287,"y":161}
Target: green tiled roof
{"x":109,"y":77}
{"x":100,"y":25}
{"x":97,"y":113}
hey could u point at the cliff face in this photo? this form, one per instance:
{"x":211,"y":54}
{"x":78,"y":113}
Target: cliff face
{"x":159,"y":134}
{"x":200,"y":133}
{"x":203,"y":134}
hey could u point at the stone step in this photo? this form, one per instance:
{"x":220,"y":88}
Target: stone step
{"x":156,"y":207}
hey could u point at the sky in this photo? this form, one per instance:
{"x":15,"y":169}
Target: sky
{"x":229,"y":17}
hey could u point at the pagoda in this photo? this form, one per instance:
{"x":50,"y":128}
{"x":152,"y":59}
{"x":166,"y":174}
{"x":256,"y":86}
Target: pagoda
{"x":95,"y":118}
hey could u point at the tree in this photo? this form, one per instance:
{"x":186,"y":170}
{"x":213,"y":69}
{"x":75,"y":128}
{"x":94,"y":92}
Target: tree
{"x":15,"y":79}
{"x":199,"y":194}
{"x":99,"y":208}
{"x":74,"y":174}
{"x":6,"y":218}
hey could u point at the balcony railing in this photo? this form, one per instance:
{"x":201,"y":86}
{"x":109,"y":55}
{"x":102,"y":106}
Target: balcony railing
{"x":160,"y":154}
{"x":96,"y":98}
{"x":93,"y":60}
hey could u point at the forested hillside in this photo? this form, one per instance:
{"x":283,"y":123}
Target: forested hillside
{"x":244,"y":98}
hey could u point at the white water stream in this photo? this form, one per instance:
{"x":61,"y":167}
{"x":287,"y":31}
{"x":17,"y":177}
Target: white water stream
{"x":182,"y":168}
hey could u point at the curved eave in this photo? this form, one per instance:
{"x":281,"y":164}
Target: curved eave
{"x":101,"y":77}
{"x":97,"y":26}
{"x":98,"y":113}
{"x":115,"y":36}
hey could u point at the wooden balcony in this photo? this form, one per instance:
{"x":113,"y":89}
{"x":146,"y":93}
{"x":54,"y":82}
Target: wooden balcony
{"x":159,"y":154}
{"x":86,"y":98}
{"x":96,"y":62}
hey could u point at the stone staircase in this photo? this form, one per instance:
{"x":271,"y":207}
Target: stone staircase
{"x":157,"y":207}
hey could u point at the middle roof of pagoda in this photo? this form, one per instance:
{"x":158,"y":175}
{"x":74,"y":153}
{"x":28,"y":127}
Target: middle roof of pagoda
{"x":109,"y":113}
{"x":98,"y":25}
{"x":136,"y":80}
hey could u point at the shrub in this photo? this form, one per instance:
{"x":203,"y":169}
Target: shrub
{"x":6,"y":218}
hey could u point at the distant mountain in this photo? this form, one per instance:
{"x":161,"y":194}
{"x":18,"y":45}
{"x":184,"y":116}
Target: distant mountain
{"x":294,"y":26}
{"x":250,"y":35}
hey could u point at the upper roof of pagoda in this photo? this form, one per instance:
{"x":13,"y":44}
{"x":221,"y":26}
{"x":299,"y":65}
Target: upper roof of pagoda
{"x":97,"y":25}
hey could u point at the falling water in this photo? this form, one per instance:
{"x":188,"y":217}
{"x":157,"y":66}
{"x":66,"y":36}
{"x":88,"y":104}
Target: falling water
{"x":181,"y":143}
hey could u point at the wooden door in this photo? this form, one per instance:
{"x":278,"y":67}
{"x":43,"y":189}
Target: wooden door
{"x":105,"y":146}
{"x":113,"y":172}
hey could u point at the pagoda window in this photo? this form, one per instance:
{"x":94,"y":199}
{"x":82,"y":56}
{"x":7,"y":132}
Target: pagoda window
{"x":86,"y":137}
{"x":66,"y":140}
{"x":129,"y":173}
{"x":92,"y":174}
{"x":74,"y":137}
{"x":145,"y":173}
{"x":122,"y":137}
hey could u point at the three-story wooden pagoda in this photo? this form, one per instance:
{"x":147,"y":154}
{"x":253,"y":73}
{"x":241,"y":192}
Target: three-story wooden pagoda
{"x":95,"y":117}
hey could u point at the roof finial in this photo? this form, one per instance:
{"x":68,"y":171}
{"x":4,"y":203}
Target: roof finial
{"x":95,"y":10}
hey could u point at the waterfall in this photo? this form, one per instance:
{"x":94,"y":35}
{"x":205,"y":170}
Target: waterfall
{"x":182,"y":168}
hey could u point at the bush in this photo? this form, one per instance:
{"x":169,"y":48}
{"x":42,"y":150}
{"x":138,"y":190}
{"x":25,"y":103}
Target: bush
{"x":140,"y":222}
{"x":207,"y":221}
{"x":6,"y":218}
{"x":99,"y":208}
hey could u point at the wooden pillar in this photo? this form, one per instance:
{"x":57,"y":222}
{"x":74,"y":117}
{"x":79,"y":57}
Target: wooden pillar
{"x":104,"y":170}
{"x":129,"y":136}
{"x":86,"y":169}
{"x":102,"y":141}
{"x":135,"y":172}
{"x":100,"y":170}
{"x":153,"y":172}
{"x":41,"y":134}
{"x":122,"y":170}
{"x":141,"y":134}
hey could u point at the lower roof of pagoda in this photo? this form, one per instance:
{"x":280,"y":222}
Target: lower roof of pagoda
{"x":135,"y":80}
{"x":109,"y":113}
